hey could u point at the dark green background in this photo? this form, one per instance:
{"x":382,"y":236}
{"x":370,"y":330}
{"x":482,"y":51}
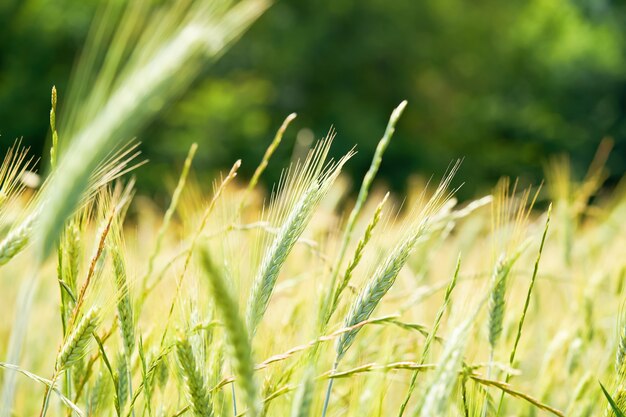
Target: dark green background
{"x":504,"y":84}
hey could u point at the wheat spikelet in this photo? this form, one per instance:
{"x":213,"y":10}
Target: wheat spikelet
{"x":124,"y":303}
{"x":197,"y":391}
{"x":78,"y":370}
{"x":16,"y":240}
{"x":68,"y":259}
{"x":74,"y":347}
{"x":162,"y":372}
{"x":496,"y":301}
{"x":122,"y":382}
{"x":620,"y":402}
{"x":72,"y":248}
{"x":53,"y":128}
{"x":99,"y":395}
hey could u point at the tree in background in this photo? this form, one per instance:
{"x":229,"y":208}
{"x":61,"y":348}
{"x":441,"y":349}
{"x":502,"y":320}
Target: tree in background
{"x":503,"y":84}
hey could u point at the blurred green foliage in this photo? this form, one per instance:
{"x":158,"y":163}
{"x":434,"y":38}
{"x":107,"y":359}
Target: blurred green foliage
{"x":502,"y":84}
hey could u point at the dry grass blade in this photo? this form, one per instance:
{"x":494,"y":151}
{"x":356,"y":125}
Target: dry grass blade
{"x":515,"y":393}
{"x":45,"y":382}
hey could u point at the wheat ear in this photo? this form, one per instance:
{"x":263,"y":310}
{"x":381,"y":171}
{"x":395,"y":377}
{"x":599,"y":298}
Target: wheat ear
{"x":238,"y":337}
{"x":74,"y":347}
{"x":306,"y":186}
{"x":194,"y":381}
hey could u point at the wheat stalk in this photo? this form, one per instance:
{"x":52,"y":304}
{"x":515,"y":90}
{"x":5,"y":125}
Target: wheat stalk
{"x":360,"y":201}
{"x":356,"y":258}
{"x":433,"y":333}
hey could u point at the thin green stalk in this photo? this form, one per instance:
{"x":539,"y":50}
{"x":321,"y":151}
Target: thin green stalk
{"x":432,"y":334}
{"x":168,"y":215}
{"x":526,"y":303}
{"x":266,"y":158}
{"x":358,"y":254}
{"x":46,"y":398}
{"x":49,"y":385}
{"x":360,"y":201}
{"x":329,"y":389}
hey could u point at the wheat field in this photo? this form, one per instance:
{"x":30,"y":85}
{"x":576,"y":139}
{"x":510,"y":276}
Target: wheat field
{"x":322,"y":296}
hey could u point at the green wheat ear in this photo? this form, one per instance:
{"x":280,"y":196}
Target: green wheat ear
{"x":301,"y":190}
{"x":385,"y":275}
{"x":74,"y":347}
{"x":195,"y":384}
{"x":356,"y":258}
{"x":124,"y":302}
{"x":236,"y":332}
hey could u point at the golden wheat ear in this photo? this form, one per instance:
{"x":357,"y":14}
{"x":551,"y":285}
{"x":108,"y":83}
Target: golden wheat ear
{"x":17,"y":162}
{"x":117,"y":164}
